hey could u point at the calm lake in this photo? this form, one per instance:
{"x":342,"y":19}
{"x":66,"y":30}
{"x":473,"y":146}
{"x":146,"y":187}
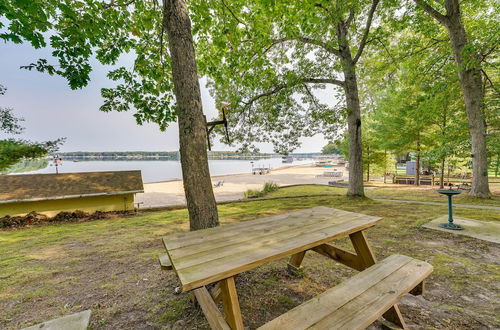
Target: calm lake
{"x":163,"y":170}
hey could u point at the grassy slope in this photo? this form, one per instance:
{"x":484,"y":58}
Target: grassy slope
{"x":110,"y":267}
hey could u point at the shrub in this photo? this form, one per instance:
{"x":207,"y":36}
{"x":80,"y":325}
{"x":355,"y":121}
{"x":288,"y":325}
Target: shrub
{"x":268,"y":187}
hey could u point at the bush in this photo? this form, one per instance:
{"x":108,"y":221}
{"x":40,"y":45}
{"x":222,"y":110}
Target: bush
{"x":268,"y":187}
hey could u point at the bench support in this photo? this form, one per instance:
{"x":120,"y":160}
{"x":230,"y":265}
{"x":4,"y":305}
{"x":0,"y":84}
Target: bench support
{"x":419,"y":289}
{"x":209,"y":308}
{"x":344,"y":257}
{"x":216,"y":293}
{"x":367,"y":259}
{"x":295,"y":261}
{"x":231,"y":305}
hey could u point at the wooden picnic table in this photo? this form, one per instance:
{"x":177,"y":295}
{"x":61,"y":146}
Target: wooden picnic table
{"x":217,"y":255}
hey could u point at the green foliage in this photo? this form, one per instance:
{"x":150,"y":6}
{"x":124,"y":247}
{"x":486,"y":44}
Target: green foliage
{"x":331,"y":148}
{"x":28,"y":165}
{"x":14,"y":150}
{"x":269,"y":187}
{"x":87,"y":29}
{"x":270,"y":60}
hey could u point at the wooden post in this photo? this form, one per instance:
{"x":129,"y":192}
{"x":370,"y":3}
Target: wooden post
{"x":364,"y":252}
{"x":295,"y":261}
{"x":231,"y":305}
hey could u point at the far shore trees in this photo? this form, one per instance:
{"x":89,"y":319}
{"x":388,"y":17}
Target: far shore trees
{"x":162,"y":86}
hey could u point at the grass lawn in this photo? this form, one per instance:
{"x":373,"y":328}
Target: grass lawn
{"x":110,"y":267}
{"x":391,"y":191}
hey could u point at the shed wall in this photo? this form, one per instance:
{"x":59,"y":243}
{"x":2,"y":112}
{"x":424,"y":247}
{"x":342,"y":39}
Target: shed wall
{"x":123,"y":202}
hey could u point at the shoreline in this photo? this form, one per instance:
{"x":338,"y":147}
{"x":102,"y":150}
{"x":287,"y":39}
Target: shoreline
{"x":171,"y":192}
{"x":234,"y":174}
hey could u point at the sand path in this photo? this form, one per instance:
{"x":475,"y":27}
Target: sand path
{"x":172,"y":192}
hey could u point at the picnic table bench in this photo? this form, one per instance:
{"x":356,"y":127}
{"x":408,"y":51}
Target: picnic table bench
{"x":218,"y":255}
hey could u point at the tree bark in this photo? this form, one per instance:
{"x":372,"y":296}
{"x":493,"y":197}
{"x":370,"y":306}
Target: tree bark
{"x":441,"y":175}
{"x":385,"y":166}
{"x":417,"y":170}
{"x":471,"y":84}
{"x":497,"y":166}
{"x":355,"y":187}
{"x":368,"y":164}
{"x":192,"y":127}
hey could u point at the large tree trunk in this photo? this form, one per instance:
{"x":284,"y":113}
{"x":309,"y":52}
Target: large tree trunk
{"x":472,"y":90}
{"x":192,"y":128}
{"x":354,"y":129}
{"x":355,"y":187}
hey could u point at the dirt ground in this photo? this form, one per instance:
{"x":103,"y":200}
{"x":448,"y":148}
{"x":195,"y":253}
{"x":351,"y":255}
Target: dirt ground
{"x":111,"y":267}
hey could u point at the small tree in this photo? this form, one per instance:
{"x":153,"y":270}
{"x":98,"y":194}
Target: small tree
{"x":331,"y":148}
{"x":14,"y":150}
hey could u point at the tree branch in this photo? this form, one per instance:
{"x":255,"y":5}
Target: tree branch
{"x":433,"y":12}
{"x":278,"y":88}
{"x":367,"y":31}
{"x":350,"y":18}
{"x":491,"y":82}
{"x":323,"y":81}
{"x":114,"y":4}
{"x":232,"y":13}
{"x":309,"y":41}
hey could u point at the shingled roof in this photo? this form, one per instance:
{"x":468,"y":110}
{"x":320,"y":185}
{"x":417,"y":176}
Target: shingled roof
{"x":33,"y":187}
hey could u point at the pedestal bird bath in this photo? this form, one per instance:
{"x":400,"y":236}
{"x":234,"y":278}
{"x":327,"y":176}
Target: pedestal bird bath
{"x":450,"y":224}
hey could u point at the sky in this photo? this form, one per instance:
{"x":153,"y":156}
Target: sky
{"x":52,"y":110}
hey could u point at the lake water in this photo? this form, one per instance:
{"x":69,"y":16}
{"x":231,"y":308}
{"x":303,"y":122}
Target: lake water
{"x":163,"y":170}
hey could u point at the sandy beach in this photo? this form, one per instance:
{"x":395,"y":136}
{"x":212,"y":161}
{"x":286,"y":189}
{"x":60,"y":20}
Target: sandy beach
{"x":171,"y":193}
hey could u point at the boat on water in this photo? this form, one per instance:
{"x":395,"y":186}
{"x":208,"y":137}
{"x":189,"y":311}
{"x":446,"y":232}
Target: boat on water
{"x":287,"y":159}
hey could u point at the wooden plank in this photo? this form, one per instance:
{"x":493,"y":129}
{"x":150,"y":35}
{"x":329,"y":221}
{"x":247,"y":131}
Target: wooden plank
{"x":327,"y":302}
{"x":216,"y":293}
{"x":253,"y":242}
{"x":231,"y":305}
{"x":419,"y":289}
{"x":165,"y":262}
{"x":190,"y":240}
{"x":344,"y":257}
{"x":235,"y":263}
{"x":270,"y":229}
{"x":367,"y":258}
{"x":295,"y":261}
{"x":364,"y":309}
{"x":187,"y":238}
{"x":394,"y":315}
{"x":318,"y":311}
{"x":209,"y":308}
{"x":363,"y":249}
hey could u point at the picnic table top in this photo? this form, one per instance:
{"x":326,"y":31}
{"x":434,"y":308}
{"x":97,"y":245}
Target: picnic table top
{"x":206,"y":256}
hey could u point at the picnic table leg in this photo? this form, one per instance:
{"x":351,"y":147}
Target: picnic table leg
{"x":364,"y":252}
{"x":295,"y":261}
{"x":231,"y":305}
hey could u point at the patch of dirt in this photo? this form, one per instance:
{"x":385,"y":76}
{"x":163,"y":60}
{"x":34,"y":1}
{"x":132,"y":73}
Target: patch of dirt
{"x":34,"y":219}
